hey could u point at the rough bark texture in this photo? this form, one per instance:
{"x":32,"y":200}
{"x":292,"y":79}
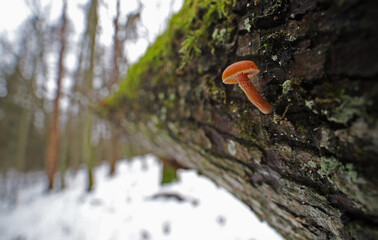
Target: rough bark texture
{"x":310,"y":168}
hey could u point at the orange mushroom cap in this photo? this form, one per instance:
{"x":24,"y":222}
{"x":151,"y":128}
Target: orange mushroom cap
{"x":232,"y":72}
{"x":241,"y":73}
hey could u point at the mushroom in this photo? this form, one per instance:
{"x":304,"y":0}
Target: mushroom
{"x":242,"y":72}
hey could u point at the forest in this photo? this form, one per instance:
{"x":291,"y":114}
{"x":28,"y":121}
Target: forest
{"x":305,"y":163}
{"x":53,"y":77}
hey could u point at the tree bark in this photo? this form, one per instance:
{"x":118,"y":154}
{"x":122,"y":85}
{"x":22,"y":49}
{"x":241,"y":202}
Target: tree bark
{"x":91,"y":36}
{"x":22,"y":139}
{"x":117,"y":59}
{"x":53,"y":142}
{"x":309,"y":169}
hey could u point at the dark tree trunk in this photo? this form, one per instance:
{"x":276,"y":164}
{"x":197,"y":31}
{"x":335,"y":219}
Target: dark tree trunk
{"x":310,"y":168}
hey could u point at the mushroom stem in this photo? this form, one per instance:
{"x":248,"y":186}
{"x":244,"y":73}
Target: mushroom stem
{"x":253,"y":95}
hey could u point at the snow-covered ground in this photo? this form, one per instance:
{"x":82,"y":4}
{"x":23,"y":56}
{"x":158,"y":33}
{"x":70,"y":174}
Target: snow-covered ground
{"x":130,"y":205}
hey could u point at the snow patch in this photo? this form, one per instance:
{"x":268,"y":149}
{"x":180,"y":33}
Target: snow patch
{"x":129,"y":205}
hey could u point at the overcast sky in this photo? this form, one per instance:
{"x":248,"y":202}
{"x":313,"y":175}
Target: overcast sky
{"x":154,"y":18}
{"x":154,"y":15}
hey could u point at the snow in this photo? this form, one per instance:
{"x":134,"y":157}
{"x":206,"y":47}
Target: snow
{"x":128,"y":205}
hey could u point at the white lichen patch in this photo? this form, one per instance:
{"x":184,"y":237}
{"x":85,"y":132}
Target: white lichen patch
{"x":310,"y":104}
{"x":247,"y":25}
{"x":350,"y":107}
{"x":219,"y":35}
{"x":231,"y":147}
{"x":286,"y":86}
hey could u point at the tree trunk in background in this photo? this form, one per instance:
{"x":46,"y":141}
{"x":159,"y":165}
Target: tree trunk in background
{"x":310,"y":168}
{"x":22,"y":138}
{"x":53,"y":142}
{"x":114,"y":149}
{"x":74,"y":124}
{"x":117,"y":59}
{"x":63,"y":158}
{"x":73,"y":147}
{"x":87,"y":149}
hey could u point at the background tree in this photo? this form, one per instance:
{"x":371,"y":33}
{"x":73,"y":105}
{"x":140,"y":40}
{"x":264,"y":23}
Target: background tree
{"x":117,"y":60}
{"x":90,"y":38}
{"x":53,"y":141}
{"x":22,"y":121}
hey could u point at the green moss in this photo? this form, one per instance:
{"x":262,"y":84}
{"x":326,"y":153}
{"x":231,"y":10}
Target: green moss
{"x":213,"y":90}
{"x":334,"y":92}
{"x":215,"y":10}
{"x":233,"y":108}
{"x":274,"y":8}
{"x":169,"y":102}
{"x":169,"y":174}
{"x":301,"y":128}
{"x":266,"y":49}
{"x":249,"y":129}
{"x":286,"y":36}
{"x":184,"y":23}
{"x":189,"y":49}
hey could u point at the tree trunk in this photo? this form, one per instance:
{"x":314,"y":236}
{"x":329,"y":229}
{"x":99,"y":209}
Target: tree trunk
{"x":53,"y":142}
{"x":114,"y":149}
{"x":22,"y":139}
{"x":63,"y":158}
{"x":117,"y":59}
{"x":310,"y":168}
{"x":91,"y":36}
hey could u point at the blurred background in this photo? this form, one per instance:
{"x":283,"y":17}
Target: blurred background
{"x":61,"y":170}
{"x":58,"y":60}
